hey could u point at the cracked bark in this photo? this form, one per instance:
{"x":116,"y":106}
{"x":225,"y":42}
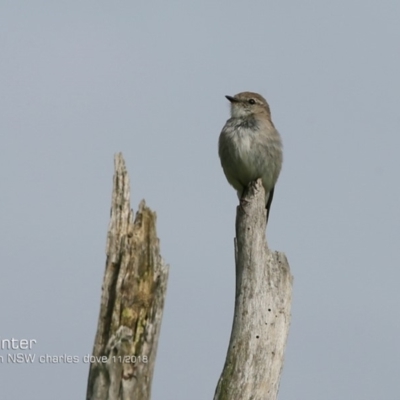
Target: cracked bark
{"x":132,"y":300}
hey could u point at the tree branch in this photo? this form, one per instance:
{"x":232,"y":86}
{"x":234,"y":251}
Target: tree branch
{"x":262,"y":308}
{"x":132,"y":301}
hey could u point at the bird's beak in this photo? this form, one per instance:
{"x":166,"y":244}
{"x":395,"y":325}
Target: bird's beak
{"x":232,"y":99}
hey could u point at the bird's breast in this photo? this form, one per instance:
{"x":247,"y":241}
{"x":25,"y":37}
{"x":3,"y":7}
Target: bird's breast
{"x":249,"y":151}
{"x":239,"y":152}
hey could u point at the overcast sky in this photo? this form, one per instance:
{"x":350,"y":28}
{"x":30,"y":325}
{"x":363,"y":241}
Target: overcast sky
{"x":82,"y":80}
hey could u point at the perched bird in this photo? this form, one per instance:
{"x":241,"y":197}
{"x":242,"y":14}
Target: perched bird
{"x":249,"y":145}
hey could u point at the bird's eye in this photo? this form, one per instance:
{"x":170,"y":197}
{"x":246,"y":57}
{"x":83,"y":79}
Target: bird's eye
{"x":252,"y":101}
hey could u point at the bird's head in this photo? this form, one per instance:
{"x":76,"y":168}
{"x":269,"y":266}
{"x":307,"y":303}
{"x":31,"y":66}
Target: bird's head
{"x":248,"y":103}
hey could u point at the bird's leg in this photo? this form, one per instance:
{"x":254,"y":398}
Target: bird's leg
{"x":252,"y":184}
{"x":243,"y":200}
{"x":242,"y":203}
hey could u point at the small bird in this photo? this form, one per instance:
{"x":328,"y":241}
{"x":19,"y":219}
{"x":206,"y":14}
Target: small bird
{"x":249,"y":145}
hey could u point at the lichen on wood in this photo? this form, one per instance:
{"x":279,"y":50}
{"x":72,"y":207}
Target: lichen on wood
{"x":132,"y":300}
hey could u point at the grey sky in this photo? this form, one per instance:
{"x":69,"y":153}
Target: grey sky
{"x":81,"y":81}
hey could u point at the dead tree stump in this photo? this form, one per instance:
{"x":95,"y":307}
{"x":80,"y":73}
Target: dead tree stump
{"x":132,"y":300}
{"x":262,"y":309}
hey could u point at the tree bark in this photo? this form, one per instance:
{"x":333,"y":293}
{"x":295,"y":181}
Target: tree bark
{"x":262,"y":308}
{"x":132,"y":301}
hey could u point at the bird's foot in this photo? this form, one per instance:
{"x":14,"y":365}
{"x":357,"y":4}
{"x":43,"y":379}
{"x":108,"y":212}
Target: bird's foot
{"x":242,"y":203}
{"x":252,"y":184}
